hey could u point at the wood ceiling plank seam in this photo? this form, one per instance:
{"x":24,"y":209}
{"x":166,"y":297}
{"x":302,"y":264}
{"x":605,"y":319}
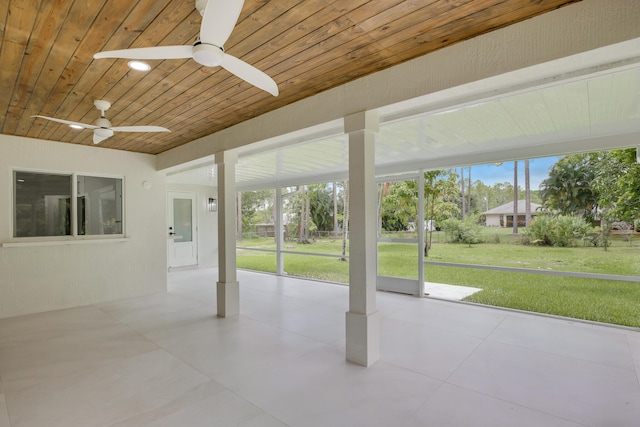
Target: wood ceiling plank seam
{"x":180,"y":108}
{"x":377,"y":69}
{"x":203,"y":107}
{"x":24,"y":100}
{"x":392,"y":12}
{"x":198,"y":132}
{"x":85,"y":14}
{"x":274,"y":16}
{"x":55,"y":64}
{"x":129,"y":107}
{"x":231,"y":80}
{"x":259,"y":44}
{"x":250,"y":7}
{"x":248,"y":99}
{"x":197,"y":78}
{"x":95,"y":77}
{"x":444,"y":39}
{"x":14,"y":43}
{"x":292,"y":41}
{"x":150,"y":99}
{"x":429,"y":20}
{"x":126,"y":99}
{"x":342,"y":42}
{"x":117,"y":94}
{"x":102,"y":73}
{"x":406,"y":59}
{"x":4,"y":17}
{"x":118,"y":70}
{"x":325,"y":38}
{"x":358,"y":42}
{"x":67,"y":92}
{"x":175,"y":22}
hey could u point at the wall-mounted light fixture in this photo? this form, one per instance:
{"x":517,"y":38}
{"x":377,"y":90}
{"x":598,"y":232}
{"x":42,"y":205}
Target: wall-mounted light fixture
{"x":212,"y":204}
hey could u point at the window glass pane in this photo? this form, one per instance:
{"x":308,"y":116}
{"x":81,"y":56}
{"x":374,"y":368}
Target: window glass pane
{"x":99,"y":205}
{"x":182,"y":220}
{"x":42,"y":205}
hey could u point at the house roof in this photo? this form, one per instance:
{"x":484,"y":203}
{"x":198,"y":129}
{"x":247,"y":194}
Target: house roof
{"x":507,"y":208}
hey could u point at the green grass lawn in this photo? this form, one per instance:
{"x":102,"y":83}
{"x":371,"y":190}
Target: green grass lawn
{"x":590,"y":299}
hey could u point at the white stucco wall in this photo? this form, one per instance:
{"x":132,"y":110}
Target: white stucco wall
{"x":493,"y":221}
{"x":207,"y":223}
{"x":41,"y":278}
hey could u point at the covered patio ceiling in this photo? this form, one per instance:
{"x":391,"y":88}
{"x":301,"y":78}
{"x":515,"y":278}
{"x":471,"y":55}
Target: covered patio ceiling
{"x":583,"y":103}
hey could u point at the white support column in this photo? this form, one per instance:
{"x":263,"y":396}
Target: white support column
{"x":228,"y":288}
{"x":421,"y":233}
{"x":362,"y":319}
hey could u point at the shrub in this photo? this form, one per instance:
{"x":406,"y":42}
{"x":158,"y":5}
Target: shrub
{"x":559,"y":231}
{"x":461,"y":231}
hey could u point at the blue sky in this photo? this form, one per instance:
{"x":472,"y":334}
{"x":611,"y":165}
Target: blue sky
{"x":491,"y":174}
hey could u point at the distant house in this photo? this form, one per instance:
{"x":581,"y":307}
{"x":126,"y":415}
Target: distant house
{"x":502,"y":216}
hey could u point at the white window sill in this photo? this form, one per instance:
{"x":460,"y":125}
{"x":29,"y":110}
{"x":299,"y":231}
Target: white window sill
{"x":64,"y":242}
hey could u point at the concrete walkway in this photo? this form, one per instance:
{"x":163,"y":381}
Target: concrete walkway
{"x":450,"y":292}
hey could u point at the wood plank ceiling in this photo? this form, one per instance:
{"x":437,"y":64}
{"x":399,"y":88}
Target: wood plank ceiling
{"x":306,"y":46}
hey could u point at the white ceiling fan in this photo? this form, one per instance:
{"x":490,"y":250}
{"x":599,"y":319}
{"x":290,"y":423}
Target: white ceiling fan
{"x":102,"y":129}
{"x":219,"y":17}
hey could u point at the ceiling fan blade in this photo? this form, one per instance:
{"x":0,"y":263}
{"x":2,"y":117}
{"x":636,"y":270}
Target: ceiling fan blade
{"x":220,"y":16}
{"x":249,"y":73}
{"x":68,"y":122}
{"x":157,"y":52}
{"x":140,"y":129}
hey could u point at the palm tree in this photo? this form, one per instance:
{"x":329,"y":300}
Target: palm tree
{"x":301,"y":220}
{"x":527,"y":194}
{"x":239,"y":218}
{"x":345,"y":221}
{"x":462,"y":191}
{"x":335,"y":210}
{"x":515,"y":197}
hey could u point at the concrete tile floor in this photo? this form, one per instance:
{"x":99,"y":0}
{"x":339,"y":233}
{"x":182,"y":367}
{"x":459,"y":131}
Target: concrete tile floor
{"x":167,"y":360}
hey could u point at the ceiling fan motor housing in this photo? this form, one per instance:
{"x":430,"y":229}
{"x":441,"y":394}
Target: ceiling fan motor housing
{"x":103,"y":123}
{"x":207,"y":55}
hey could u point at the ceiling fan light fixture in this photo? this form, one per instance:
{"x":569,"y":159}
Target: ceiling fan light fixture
{"x":139,"y":66}
{"x":207,"y":55}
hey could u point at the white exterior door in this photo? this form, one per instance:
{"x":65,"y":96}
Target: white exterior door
{"x":182,"y":233}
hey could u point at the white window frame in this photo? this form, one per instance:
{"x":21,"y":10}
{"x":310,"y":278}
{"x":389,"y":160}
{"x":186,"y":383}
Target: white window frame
{"x":74,"y":237}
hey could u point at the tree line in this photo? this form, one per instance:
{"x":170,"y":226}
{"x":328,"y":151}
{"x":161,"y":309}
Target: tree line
{"x":590,"y":185}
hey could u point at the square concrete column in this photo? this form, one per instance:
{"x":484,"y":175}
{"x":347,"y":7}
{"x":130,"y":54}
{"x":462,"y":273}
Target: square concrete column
{"x":363,"y":320}
{"x":228,"y":288}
